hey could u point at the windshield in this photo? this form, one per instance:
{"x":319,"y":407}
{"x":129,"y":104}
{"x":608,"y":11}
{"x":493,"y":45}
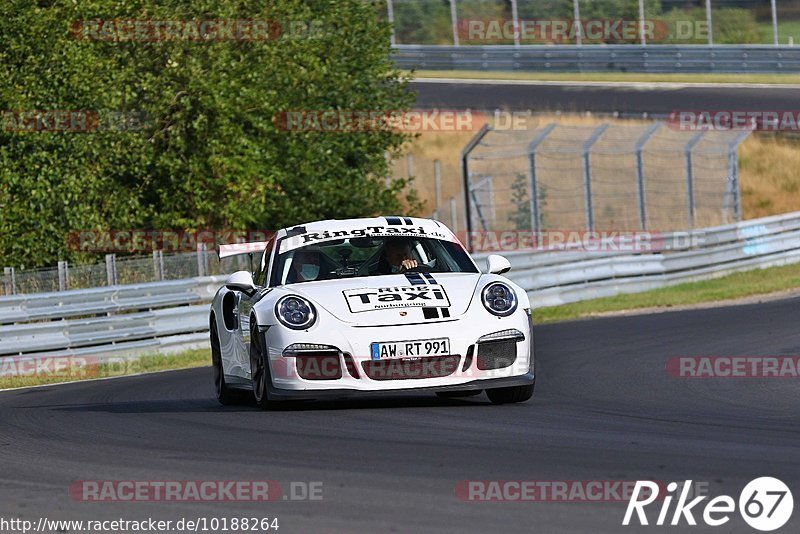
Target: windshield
{"x":370,"y":256}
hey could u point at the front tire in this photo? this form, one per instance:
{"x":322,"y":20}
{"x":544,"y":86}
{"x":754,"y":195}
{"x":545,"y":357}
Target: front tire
{"x":510,"y":395}
{"x":259,"y":371}
{"x":225,"y":394}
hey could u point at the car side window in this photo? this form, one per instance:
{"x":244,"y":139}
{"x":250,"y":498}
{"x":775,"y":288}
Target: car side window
{"x":261,"y":275}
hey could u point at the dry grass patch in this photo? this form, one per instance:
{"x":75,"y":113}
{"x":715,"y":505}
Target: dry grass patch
{"x":769,"y":167}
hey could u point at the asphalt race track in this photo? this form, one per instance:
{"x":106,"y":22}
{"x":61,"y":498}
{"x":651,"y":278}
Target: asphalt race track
{"x":656,"y":100}
{"x":604,"y":409}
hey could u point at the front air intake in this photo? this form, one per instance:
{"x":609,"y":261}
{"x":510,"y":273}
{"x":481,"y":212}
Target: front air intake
{"x":496,"y":355}
{"x":315,"y":362}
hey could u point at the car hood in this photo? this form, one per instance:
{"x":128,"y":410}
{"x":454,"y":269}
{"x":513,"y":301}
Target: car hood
{"x":392,"y":299}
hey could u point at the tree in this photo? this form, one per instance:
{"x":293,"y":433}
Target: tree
{"x":520,"y":218}
{"x":211,"y":153}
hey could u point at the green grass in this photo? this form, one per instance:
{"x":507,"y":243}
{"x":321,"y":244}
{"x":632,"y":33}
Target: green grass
{"x":786,"y":29}
{"x":739,"y":285}
{"x":612,"y":76}
{"x":72,"y":369}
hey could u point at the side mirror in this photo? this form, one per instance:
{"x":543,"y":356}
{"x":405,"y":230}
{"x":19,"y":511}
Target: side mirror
{"x":241,"y":281}
{"x":496,"y":264}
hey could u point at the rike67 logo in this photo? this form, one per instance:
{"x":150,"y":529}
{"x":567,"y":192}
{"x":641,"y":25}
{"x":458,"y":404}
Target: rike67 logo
{"x":765,"y":504}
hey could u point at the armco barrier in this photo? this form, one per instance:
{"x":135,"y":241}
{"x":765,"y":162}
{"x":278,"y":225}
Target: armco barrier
{"x":168,"y":316}
{"x":601,"y":58}
{"x":112,"y":321}
{"x":560,"y":277}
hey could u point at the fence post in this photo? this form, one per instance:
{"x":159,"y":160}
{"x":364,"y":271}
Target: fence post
{"x":642,"y":36}
{"x":454,"y":216}
{"x":63,"y":276}
{"x":640,"y":172}
{"x":576,"y":15}
{"x":476,"y":202}
{"x":111,"y":269}
{"x":690,"y":175}
{"x":158,"y":265}
{"x":775,"y":37}
{"x":465,"y":177}
{"x":390,"y":18}
{"x":202,"y":265}
{"x":733,"y":175}
{"x":536,"y":215}
{"x":437,"y":180}
{"x":10,"y":281}
{"x":410,"y":164}
{"x":710,"y":23}
{"x":515,"y":19}
{"x":454,"y":22}
{"x":387,"y":180}
{"x":587,"y":174}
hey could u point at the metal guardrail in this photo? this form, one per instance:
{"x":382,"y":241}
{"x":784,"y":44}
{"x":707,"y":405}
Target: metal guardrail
{"x":601,"y":58}
{"x":173,"y":315}
{"x":555,"y":278}
{"x":106,"y":321}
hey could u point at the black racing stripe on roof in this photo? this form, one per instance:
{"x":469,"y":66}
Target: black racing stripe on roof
{"x":415,"y":279}
{"x":429,"y":277}
{"x":393,"y":220}
{"x":297,"y":230}
{"x":408,"y":220}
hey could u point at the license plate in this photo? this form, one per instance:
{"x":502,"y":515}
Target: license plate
{"x":410,"y":349}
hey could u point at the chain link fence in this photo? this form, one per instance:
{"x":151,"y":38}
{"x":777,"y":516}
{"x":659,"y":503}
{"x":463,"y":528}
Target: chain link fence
{"x":119,"y":270}
{"x":606,"y":177}
{"x":639,"y":22}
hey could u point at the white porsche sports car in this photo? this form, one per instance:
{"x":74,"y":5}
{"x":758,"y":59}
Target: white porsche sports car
{"x":386,"y":304}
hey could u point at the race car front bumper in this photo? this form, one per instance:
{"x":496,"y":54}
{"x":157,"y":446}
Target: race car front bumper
{"x":498,"y":354}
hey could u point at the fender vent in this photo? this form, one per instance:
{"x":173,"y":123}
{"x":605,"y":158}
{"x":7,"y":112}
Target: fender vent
{"x":352,"y":369}
{"x":468,"y":358}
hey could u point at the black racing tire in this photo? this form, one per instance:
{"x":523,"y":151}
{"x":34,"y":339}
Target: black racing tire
{"x":259,"y":371}
{"x":225,"y":394}
{"x":510,"y":394}
{"x":458,"y":394}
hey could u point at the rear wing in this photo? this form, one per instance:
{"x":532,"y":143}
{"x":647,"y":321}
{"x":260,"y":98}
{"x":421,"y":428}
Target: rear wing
{"x":236,"y":249}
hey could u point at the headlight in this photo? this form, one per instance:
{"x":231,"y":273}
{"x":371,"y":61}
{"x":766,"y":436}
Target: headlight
{"x":499,"y":299}
{"x":295,"y":312}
